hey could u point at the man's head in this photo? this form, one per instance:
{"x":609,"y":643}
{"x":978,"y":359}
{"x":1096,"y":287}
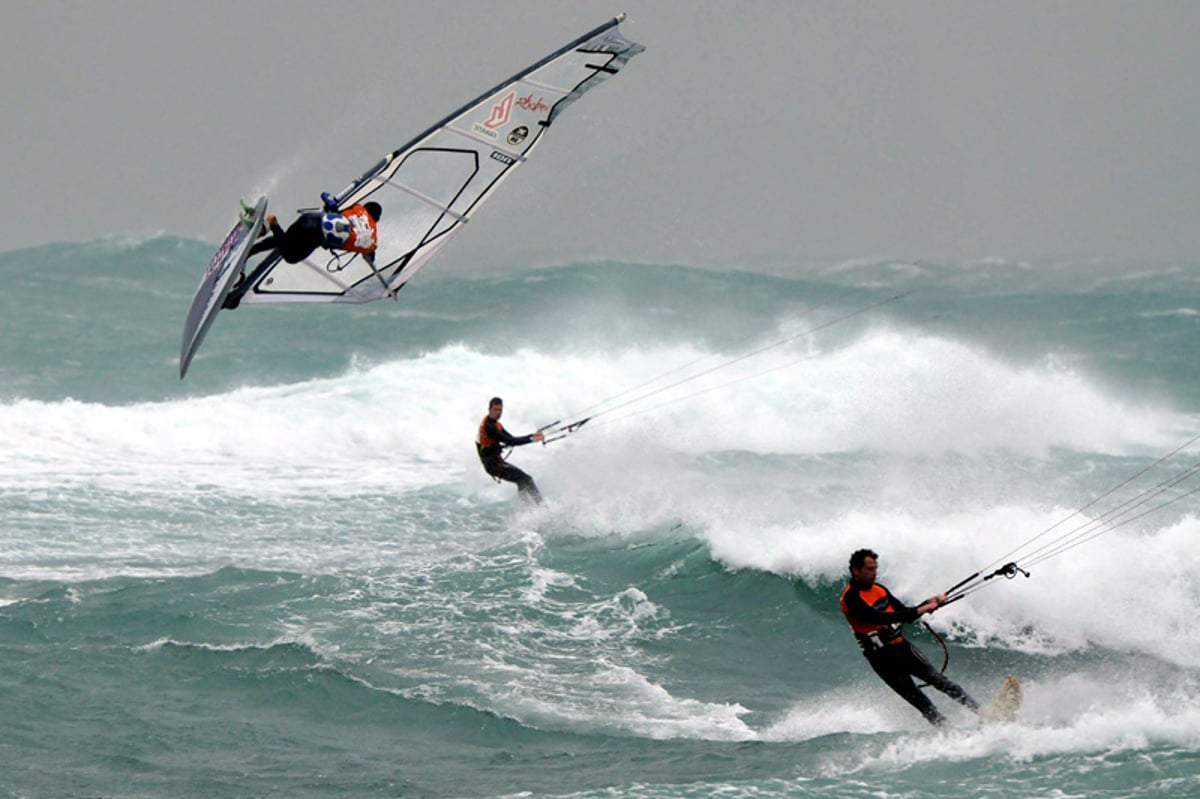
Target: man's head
{"x":495,"y":407}
{"x":374,"y":209}
{"x":863,"y":566}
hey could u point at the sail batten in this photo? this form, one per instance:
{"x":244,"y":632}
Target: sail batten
{"x":425,"y":198}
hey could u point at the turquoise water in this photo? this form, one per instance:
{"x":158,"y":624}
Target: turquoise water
{"x":287,"y":576}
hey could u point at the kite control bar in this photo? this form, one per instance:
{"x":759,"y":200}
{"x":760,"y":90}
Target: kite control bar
{"x":562,"y":432}
{"x":1008,"y":570}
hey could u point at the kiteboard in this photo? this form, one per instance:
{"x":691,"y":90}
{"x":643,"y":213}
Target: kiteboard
{"x":1004,"y":707}
{"x":223,"y":271}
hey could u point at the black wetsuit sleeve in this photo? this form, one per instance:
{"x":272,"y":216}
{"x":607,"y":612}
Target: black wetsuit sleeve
{"x":860,"y":610}
{"x":503,"y":436}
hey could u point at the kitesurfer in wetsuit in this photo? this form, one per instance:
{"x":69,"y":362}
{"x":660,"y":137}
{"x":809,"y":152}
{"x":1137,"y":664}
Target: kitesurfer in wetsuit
{"x":488,"y":442}
{"x":351,"y":230}
{"x":876,"y":617}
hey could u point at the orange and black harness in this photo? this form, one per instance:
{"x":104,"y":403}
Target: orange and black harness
{"x":875,"y":616}
{"x":490,"y":442}
{"x":877,"y":619}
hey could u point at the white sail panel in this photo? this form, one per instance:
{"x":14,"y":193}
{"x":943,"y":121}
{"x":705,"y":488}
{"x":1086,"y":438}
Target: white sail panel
{"x":430,"y":187}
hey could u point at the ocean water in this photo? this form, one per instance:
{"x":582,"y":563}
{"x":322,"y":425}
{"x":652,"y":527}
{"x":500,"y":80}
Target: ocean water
{"x":288,"y":576}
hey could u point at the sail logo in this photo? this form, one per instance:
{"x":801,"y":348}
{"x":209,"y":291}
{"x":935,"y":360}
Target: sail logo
{"x":501,"y":113}
{"x":517,"y":135}
{"x":529,"y":104}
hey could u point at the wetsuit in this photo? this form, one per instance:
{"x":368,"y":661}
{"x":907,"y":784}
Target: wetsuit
{"x":352,"y":230}
{"x":488,"y":443}
{"x":300,"y":240}
{"x":877,"y":618}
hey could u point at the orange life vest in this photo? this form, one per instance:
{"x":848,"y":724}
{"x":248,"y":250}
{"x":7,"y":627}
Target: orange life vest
{"x":364,"y":234}
{"x":482,"y":439}
{"x":871,"y":635}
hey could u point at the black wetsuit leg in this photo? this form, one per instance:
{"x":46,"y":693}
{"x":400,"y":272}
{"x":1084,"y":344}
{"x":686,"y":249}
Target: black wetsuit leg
{"x":300,"y":240}
{"x":897,"y":664}
{"x":264,"y":244}
{"x":525,"y":486}
{"x":940,"y":681}
{"x":268,"y":242}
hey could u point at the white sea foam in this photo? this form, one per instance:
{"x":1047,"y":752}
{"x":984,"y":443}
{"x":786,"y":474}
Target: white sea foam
{"x":1109,"y":719}
{"x":1075,"y":713}
{"x":894,"y":393}
{"x":404,"y":430}
{"x":1135,"y":591}
{"x":617,"y":699}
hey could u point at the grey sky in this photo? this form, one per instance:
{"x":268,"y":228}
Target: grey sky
{"x":907,"y":129}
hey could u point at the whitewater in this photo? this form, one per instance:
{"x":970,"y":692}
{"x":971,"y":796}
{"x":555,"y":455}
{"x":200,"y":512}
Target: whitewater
{"x":288,"y":574}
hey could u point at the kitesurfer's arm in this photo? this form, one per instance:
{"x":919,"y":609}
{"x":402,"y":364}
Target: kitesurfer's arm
{"x":931,"y":604}
{"x":498,"y":433}
{"x":928,"y":606}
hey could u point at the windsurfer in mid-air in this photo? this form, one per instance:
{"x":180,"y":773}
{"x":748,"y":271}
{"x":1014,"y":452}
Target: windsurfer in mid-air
{"x":351,"y":230}
{"x":877,"y":619}
{"x":490,"y":440}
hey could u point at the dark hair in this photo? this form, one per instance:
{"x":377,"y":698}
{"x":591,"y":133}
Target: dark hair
{"x":495,"y":401}
{"x":374,"y":209}
{"x":859,"y":557}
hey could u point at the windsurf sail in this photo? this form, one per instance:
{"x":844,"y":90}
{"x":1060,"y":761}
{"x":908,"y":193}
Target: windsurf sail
{"x":430,"y":188}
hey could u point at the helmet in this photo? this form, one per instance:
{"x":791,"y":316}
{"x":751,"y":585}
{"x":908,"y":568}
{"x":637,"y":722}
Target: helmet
{"x":374,"y":209}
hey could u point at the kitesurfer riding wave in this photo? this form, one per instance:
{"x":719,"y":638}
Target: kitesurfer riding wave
{"x":489,"y":443}
{"x":877,"y":619}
